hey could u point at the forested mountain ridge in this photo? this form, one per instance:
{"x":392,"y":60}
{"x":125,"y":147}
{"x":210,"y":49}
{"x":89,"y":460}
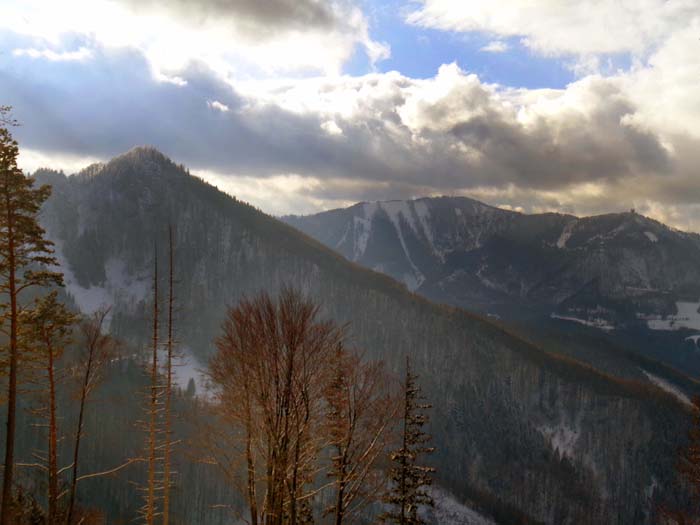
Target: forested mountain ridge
{"x":606,"y":270}
{"x":517,"y":429}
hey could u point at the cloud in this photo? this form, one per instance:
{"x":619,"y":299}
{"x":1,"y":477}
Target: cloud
{"x":585,"y":27}
{"x":81,"y":54}
{"x":215,"y":104}
{"x":271,"y":15}
{"x":234,"y":38}
{"x":603,"y":143}
{"x":496,"y":46}
{"x":392,"y":136}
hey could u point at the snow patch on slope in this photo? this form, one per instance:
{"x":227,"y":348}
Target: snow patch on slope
{"x":185,"y":367}
{"x":651,"y":237}
{"x":595,"y":322}
{"x":562,"y":438}
{"x":395,"y":210}
{"x":448,"y":511}
{"x":687,"y":317}
{"x":694,"y":338}
{"x":565,"y":235}
{"x":423,"y":214}
{"x":668,"y":387}
{"x":362,"y":229}
{"x":119,"y":286}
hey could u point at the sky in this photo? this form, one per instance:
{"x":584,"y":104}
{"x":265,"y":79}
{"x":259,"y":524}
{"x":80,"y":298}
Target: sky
{"x":297,"y":106}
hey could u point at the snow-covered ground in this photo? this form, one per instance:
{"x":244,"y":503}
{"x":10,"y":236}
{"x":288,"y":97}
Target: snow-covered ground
{"x":668,"y":387}
{"x":566,"y":234}
{"x":687,"y":317}
{"x":596,"y":322}
{"x":396,"y":211}
{"x":562,"y":438}
{"x":694,"y":338}
{"x":119,"y":286}
{"x":448,"y":511}
{"x":185,"y":367}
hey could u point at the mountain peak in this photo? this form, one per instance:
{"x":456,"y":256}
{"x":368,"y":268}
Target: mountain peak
{"x":143,"y":153}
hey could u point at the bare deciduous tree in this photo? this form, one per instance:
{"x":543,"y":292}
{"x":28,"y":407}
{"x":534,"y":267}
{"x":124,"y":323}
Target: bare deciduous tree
{"x":270,"y":370}
{"x":95,"y":350}
{"x":361,"y":408}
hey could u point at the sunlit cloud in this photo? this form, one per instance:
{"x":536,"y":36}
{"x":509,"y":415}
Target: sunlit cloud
{"x":49,"y":54}
{"x":243,"y":41}
{"x":255,"y":101}
{"x":496,"y":46}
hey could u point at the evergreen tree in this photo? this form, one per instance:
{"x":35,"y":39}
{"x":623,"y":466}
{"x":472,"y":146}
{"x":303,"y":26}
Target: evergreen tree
{"x":409,"y":478}
{"x":689,"y":464}
{"x":689,"y":469}
{"x":24,"y":254}
{"x":47,"y":331}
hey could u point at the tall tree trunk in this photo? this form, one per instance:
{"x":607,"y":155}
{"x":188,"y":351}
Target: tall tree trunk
{"x":78,"y":436}
{"x":7,"y":511}
{"x":404,"y":447}
{"x":153,"y":408}
{"x":340,"y":496}
{"x":168,"y":387}
{"x":53,"y":443}
{"x":252,"y":497}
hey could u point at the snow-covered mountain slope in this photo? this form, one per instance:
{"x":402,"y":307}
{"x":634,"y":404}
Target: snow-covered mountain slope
{"x":605,"y":270}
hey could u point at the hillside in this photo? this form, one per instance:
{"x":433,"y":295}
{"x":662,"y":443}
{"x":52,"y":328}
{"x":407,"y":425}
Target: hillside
{"x":630,"y":278}
{"x":518,"y":430}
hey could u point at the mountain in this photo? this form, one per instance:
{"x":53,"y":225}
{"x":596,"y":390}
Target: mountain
{"x":620,"y":271}
{"x":522,"y":434}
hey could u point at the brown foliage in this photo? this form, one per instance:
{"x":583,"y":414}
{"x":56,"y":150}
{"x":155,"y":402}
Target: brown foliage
{"x":271,"y":369}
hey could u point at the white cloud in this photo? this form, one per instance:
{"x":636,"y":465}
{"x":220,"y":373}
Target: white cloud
{"x":49,"y":54}
{"x":31,"y":160}
{"x":666,"y":89}
{"x":283,"y":194}
{"x":236,"y":45}
{"x":496,"y":46}
{"x":605,"y":142}
{"x":219,"y":106}
{"x":556,"y":27}
{"x":330,"y":127}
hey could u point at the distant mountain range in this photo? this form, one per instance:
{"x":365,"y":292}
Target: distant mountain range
{"x":525,"y":435}
{"x":618,"y":271}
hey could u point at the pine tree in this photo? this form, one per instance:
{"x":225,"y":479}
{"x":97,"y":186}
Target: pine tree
{"x":47,"y":331}
{"x":409,"y":478}
{"x":689,"y":469}
{"x":24,"y":254}
{"x":689,"y":464}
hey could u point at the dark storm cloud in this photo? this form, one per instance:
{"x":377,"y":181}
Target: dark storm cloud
{"x":107,"y":105}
